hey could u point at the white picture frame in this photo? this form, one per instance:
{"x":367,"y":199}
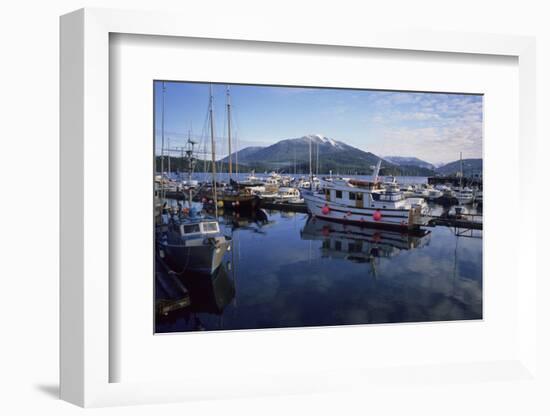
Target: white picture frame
{"x":85,"y":210}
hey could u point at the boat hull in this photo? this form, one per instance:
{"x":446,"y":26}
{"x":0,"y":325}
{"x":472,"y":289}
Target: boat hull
{"x":204,"y":258}
{"x":374,"y":217}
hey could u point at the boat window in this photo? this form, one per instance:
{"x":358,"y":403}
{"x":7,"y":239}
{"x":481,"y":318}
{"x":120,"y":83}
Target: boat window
{"x":209,"y":227}
{"x":339,"y":194}
{"x":338,"y":245}
{"x":355,"y":247}
{"x":359,"y":196}
{"x":352,"y":196}
{"x":191,"y":228}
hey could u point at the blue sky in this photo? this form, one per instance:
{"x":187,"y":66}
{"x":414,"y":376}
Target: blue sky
{"x":431,"y":126}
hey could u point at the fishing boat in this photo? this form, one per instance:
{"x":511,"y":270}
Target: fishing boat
{"x":366,"y":202}
{"x":433,"y":193}
{"x":190,"y":242}
{"x":289,"y":195}
{"x":238,"y":199}
{"x":251,"y":181}
{"x":186,"y":239}
{"x":464,"y":195}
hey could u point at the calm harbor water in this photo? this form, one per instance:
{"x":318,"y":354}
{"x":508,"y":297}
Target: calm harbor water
{"x":286,"y":271}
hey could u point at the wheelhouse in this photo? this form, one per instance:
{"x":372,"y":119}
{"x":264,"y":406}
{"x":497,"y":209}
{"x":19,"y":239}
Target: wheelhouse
{"x":196,"y":228}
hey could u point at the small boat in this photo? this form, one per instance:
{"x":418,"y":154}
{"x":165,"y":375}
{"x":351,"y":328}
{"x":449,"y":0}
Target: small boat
{"x":188,"y":241}
{"x":251,"y":181}
{"x":238,"y":199}
{"x":464,"y":196}
{"x":289,"y":195}
{"x":433,"y":193}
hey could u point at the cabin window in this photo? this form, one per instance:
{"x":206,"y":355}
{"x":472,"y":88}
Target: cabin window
{"x":191,"y":228}
{"x":359,"y":196}
{"x":210,"y":227}
{"x":352,"y":196}
{"x":338,"y":245}
{"x":339,"y":194}
{"x":355,"y":247}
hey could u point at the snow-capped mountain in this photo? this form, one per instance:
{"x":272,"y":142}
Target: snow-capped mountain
{"x":409,"y":161}
{"x":293,"y":154}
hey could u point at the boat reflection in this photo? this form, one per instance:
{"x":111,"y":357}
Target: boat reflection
{"x":253,"y":221}
{"x":192,"y":296}
{"x":361,"y":244}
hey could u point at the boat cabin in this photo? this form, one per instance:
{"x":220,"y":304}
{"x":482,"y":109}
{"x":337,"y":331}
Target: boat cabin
{"x":360,"y":198}
{"x":202,"y":227}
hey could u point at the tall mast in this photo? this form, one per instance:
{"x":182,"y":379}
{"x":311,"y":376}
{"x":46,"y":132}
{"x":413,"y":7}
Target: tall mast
{"x":213,"y":144}
{"x":377,"y":171}
{"x":461,"y":170}
{"x":294,"y":160}
{"x":191,"y":161}
{"x":168,"y":138}
{"x":229,"y":132}
{"x":162,"y":145}
{"x":310,"y":171}
{"x":317,"y":162}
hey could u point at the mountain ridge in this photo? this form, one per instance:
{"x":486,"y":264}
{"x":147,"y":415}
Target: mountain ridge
{"x":292,"y":154}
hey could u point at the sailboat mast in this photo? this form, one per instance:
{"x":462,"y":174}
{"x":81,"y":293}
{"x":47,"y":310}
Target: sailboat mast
{"x":229,"y":132}
{"x":317,"y":162}
{"x":213,"y":144}
{"x":310,"y":171}
{"x":461,"y":170}
{"x":169,"y":171}
{"x":189,"y":173}
{"x":162,"y":145}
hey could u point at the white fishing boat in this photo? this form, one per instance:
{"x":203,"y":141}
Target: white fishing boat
{"x":464,"y":195}
{"x":289,"y":195}
{"x":433,"y":193}
{"x":365,"y":202}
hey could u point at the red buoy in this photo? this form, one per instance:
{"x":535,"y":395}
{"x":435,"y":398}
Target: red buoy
{"x":325,"y":210}
{"x":377,"y":216}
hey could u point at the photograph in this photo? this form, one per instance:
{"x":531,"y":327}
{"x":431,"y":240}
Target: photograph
{"x":297,"y":206}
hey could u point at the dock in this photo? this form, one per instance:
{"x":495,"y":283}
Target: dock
{"x":283,"y":206}
{"x":457,"y":223}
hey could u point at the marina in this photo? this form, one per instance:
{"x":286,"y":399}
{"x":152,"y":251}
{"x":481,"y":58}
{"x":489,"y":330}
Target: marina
{"x":329,"y":235}
{"x":249,"y":286}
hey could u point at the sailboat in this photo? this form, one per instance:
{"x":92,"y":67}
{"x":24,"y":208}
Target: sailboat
{"x":235,"y":197}
{"x":188,"y":240}
{"x":464,"y":195}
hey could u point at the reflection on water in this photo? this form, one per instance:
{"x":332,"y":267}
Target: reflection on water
{"x":287,"y":271}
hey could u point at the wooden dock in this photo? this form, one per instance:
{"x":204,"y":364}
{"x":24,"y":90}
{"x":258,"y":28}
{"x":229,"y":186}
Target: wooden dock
{"x":283,"y":206}
{"x":457,"y":223}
